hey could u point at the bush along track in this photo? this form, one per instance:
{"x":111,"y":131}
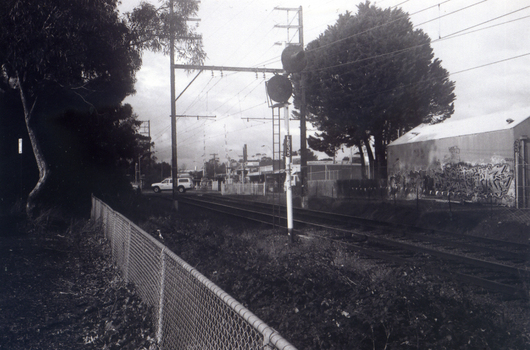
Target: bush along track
{"x":319,"y":295}
{"x":59,"y":290}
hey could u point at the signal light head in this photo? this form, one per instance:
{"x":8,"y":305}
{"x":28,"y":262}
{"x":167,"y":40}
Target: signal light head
{"x":293,"y":59}
{"x":279,"y":88}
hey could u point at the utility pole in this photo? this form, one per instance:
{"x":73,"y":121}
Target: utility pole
{"x":303,"y":129}
{"x":174,"y":162}
{"x":174,"y":170}
{"x":221,"y":69}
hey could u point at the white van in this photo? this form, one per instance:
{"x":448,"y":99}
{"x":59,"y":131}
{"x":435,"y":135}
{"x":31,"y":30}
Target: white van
{"x":183,"y":184}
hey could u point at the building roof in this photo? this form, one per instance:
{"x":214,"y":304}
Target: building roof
{"x":461,"y":127}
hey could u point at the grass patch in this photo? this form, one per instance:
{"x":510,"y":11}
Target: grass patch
{"x":320,"y":295}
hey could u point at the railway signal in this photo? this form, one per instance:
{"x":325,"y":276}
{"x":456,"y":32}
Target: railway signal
{"x":293,"y":59}
{"x":279,"y":88}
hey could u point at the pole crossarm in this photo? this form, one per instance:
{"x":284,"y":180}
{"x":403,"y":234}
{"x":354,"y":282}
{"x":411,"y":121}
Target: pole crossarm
{"x":229,"y":69}
{"x":287,"y":26}
{"x":287,"y":8}
{"x":194,"y":116}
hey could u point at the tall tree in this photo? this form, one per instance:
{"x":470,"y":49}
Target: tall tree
{"x":213,"y":168}
{"x":91,"y":153}
{"x":369,"y":77}
{"x":80,"y":49}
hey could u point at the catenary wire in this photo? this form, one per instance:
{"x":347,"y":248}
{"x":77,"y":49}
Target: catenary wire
{"x":447,"y":37}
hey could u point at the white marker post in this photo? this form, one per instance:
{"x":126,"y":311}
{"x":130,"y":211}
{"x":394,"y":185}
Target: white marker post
{"x":20,"y":166}
{"x":287,"y":185}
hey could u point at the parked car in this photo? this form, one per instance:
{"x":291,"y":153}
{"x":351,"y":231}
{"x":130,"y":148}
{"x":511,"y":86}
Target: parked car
{"x":183,"y":184}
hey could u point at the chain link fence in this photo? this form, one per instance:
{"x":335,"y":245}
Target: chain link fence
{"x":190,"y":312}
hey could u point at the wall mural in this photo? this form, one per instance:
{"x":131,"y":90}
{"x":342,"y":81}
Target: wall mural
{"x":493,"y":182}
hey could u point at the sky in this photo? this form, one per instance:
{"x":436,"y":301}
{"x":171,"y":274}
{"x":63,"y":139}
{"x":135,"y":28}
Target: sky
{"x":483,"y":44}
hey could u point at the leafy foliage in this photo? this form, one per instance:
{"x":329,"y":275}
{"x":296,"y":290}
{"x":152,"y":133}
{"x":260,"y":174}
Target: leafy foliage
{"x":370,"y":76}
{"x":309,"y":154}
{"x":79,"y":58}
{"x":92,"y":156}
{"x":213,"y":167}
{"x":63,"y":55}
{"x":79,"y":44}
{"x":150,"y":29}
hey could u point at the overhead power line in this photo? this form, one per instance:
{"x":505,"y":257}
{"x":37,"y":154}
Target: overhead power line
{"x":491,"y":63}
{"x":451,"y":13}
{"x":379,"y":26}
{"x":447,"y":37}
{"x":490,"y":20}
{"x":230,"y":69}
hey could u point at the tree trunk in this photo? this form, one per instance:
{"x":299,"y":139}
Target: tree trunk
{"x":379,"y":151}
{"x":363,"y":163}
{"x":44,"y":172}
{"x":370,"y":153}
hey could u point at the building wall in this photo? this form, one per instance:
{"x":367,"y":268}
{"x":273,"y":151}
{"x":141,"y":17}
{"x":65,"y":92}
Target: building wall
{"x":477,"y":167}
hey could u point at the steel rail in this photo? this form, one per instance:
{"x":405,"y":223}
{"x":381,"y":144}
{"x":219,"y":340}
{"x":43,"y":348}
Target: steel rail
{"x":430,"y":251}
{"x":388,"y":243}
{"x":411,"y":231}
{"x":510,"y":290}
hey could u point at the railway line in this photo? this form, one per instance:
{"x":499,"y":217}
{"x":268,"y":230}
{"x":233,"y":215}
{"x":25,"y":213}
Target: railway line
{"x":495,"y":265}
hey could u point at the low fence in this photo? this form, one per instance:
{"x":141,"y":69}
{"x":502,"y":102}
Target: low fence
{"x":368,"y":189}
{"x":322,"y":188}
{"x":256,"y":189}
{"x":190,"y":311}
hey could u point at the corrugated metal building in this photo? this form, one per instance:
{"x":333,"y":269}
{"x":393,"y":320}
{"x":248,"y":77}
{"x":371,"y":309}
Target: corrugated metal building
{"x":483,"y":159}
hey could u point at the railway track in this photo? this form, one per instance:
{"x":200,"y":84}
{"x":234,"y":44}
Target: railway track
{"x":495,"y":265}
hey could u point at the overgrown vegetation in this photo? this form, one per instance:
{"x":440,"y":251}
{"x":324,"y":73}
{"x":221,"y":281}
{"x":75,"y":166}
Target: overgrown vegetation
{"x":319,"y":295}
{"x":60,"y":290}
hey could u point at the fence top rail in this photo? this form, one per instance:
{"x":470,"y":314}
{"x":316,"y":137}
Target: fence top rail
{"x":269,"y":334}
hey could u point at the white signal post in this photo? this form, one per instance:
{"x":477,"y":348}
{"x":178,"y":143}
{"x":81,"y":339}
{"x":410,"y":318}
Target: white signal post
{"x":288,"y":187}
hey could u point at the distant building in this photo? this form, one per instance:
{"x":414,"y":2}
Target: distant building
{"x":483,"y":159}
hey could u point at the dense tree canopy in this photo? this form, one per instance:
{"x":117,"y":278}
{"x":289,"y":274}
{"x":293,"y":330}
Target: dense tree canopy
{"x":213,"y":167}
{"x":79,"y":58}
{"x":369,"y":77}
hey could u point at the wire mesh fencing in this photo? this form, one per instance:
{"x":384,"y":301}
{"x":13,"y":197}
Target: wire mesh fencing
{"x":190,"y":311}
